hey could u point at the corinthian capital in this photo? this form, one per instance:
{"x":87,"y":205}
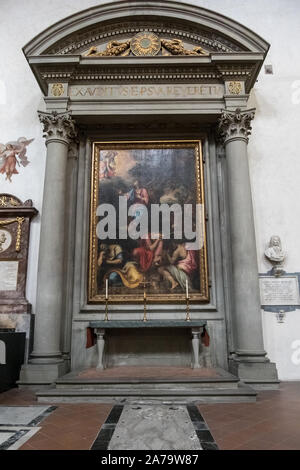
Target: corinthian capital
{"x":58,"y":126}
{"x":235,"y":124}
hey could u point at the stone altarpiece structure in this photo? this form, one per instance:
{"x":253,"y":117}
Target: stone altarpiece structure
{"x":142,"y":71}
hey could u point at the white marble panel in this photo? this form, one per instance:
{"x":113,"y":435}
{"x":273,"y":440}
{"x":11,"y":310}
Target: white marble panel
{"x":156,"y":427}
{"x":15,"y":415}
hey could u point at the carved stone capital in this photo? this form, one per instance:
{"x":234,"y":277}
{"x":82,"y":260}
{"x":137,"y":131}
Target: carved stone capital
{"x":58,"y":126}
{"x":235,"y":124}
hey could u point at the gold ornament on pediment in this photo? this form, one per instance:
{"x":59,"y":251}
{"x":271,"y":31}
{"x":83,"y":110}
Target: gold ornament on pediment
{"x":57,"y":89}
{"x":113,"y":48}
{"x":235,"y":88}
{"x":145,"y":44}
{"x":176,"y":47}
{"x":8,"y":201}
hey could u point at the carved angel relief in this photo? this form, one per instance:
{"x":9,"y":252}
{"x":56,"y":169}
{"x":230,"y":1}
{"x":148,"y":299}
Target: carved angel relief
{"x":146,"y":44}
{"x":13,"y":154}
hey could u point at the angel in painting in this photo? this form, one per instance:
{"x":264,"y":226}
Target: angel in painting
{"x":13,"y":154}
{"x":107,"y":168}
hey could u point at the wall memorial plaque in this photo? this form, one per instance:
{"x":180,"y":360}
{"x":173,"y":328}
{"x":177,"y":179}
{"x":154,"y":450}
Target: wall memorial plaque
{"x":15,"y":219}
{"x":8,"y":275}
{"x":279,"y":291}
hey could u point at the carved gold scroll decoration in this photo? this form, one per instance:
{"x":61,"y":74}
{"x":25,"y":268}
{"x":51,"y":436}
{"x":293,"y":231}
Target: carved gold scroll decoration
{"x":146,"y":44}
{"x":176,"y":47}
{"x":113,"y":48}
{"x":7,"y":201}
{"x":19,"y":221}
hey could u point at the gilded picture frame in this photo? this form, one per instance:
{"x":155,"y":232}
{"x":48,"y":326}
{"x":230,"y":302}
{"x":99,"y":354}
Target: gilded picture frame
{"x":114,"y":167}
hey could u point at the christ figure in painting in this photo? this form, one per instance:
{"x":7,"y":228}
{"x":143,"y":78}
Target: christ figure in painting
{"x":149,"y":253}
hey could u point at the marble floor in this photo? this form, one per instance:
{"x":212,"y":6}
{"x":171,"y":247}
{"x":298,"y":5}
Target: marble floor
{"x":19,"y":423}
{"x":272,"y":423}
{"x":154,"y":427}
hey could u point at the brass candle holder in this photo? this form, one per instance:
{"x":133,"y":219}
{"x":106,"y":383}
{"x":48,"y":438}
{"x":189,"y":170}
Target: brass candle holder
{"x":145,"y":303}
{"x":187,"y":318}
{"x":106,"y":300}
{"x":106,"y":310}
{"x":145,"y":311}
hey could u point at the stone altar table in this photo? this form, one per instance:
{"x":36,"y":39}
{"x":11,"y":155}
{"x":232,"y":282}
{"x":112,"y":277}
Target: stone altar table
{"x":195,"y":326}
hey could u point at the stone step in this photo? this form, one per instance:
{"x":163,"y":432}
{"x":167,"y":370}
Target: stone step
{"x":102,"y":380}
{"x":147,"y":384}
{"x":242,"y":393}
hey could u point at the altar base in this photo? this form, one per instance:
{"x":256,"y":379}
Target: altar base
{"x":148,"y":385}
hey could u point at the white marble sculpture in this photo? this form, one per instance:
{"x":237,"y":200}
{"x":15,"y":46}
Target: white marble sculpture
{"x":276,"y":255}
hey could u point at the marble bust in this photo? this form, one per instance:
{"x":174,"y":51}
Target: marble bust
{"x":275,"y":254}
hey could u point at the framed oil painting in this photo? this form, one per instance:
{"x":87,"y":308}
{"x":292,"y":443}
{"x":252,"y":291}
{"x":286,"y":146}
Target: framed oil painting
{"x":131,"y":253}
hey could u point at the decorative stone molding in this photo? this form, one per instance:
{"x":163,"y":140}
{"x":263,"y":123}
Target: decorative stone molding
{"x":57,"y":89}
{"x":235,"y":71}
{"x":145,"y":43}
{"x":78,"y":42}
{"x":58,"y":126}
{"x":8,"y":200}
{"x":235,"y":124}
{"x":137,"y":74}
{"x":170,"y":18}
{"x":235,"y":88}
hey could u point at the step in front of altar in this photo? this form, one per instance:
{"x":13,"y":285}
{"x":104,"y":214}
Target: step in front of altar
{"x":215,"y":385}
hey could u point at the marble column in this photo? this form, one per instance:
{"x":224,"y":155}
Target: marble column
{"x":46,"y":362}
{"x":249,"y":361}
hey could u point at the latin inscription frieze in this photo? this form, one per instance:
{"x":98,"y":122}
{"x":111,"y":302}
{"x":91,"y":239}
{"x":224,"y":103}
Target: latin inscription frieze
{"x":142,"y":92}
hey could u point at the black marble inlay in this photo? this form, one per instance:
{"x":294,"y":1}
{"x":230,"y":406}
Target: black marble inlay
{"x":205,"y":436}
{"x":202,"y":430}
{"x":108,"y":428}
{"x":13,"y":439}
{"x":209,"y":446}
{"x":42,"y":416}
{"x":114,"y":415}
{"x":35,"y":421}
{"x":195,"y":414}
{"x":200,"y":426}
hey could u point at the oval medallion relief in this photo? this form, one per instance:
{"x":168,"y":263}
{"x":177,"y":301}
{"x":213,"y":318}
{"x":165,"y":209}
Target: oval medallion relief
{"x":5,"y":240}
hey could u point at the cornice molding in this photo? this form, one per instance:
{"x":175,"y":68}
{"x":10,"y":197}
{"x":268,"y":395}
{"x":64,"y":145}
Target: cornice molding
{"x":157,"y":69}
